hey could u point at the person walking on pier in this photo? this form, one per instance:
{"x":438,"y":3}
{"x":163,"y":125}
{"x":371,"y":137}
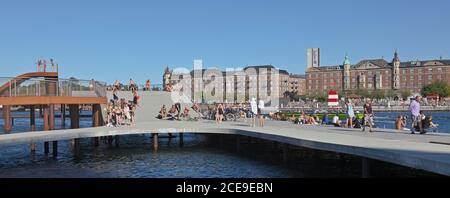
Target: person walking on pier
{"x":416,"y":118}
{"x":116,"y":85}
{"x":219,"y":113}
{"x":132,"y":85}
{"x":350,"y":114}
{"x":368,"y":115}
{"x":147,"y":85}
{"x":253,"y":112}
{"x":260,"y":115}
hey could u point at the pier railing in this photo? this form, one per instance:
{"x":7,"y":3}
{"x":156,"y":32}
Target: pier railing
{"x":17,"y":87}
{"x":141,"y":87}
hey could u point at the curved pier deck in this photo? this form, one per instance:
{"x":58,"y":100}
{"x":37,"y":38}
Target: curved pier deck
{"x":430,"y":152}
{"x":425,"y":152}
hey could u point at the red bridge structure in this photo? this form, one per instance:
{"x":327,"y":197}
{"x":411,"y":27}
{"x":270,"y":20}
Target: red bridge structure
{"x":44,"y":90}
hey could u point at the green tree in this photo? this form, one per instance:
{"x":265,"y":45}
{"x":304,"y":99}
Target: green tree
{"x":321,"y":97}
{"x":405,"y":94}
{"x":377,"y":94}
{"x":362,"y":92}
{"x":390,"y":94}
{"x":440,"y":88}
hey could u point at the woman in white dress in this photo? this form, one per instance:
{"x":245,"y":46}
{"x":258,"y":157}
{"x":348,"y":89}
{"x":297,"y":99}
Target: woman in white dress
{"x":260,"y":108}
{"x":350,"y":114}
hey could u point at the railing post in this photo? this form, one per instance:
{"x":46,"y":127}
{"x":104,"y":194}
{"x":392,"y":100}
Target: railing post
{"x":10,"y":90}
{"x":15,"y":88}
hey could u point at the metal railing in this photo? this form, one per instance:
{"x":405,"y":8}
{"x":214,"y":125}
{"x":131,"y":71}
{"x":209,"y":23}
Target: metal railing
{"x":141,"y":87}
{"x":15,"y":87}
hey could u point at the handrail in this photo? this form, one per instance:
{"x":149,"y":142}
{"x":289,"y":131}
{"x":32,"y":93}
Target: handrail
{"x":52,"y":87}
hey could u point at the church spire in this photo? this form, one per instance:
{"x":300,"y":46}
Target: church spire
{"x":347,"y":60}
{"x":396,"y":59}
{"x":166,"y":71}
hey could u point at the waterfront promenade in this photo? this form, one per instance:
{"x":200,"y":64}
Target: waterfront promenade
{"x":430,"y":152}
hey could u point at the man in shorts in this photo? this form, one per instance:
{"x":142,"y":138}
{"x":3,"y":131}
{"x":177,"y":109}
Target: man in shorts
{"x":416,"y":118}
{"x":368,"y":115}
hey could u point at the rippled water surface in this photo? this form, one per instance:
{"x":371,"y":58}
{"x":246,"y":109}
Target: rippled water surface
{"x":135,"y":157}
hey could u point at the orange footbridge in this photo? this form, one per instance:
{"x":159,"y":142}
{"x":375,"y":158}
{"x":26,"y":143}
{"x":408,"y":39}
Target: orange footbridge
{"x":6,"y":98}
{"x":23,"y":77}
{"x":45,"y":90}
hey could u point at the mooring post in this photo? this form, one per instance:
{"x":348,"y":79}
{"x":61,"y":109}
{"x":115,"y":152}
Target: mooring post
{"x":181,"y":139}
{"x":45,"y":108}
{"x":155,"y":141}
{"x":7,"y":118}
{"x":32,"y":125}
{"x":365,"y":168}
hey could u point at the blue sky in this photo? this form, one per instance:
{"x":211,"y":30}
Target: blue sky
{"x":118,"y":39}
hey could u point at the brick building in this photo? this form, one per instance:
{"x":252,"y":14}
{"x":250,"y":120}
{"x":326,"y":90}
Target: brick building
{"x":376,"y":74}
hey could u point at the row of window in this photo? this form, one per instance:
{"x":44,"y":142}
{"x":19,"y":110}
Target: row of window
{"x":403,"y":71}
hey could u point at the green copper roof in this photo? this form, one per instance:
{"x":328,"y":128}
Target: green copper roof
{"x":346,"y":61}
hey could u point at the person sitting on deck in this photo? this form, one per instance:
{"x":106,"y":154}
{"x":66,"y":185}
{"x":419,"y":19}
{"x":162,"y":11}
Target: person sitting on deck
{"x":185,"y":114}
{"x":336,"y":121}
{"x":357,"y":123}
{"x":427,"y":124}
{"x":400,"y":123}
{"x":310,"y":120}
{"x":197,"y":110}
{"x":292,"y":119}
{"x":172,"y":111}
{"x":162,"y":113}
{"x":325,"y":120}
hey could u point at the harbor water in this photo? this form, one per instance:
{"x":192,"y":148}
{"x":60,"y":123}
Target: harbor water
{"x":136,"y":158}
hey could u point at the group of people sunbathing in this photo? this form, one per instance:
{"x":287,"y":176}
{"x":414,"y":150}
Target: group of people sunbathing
{"x":174,"y":113}
{"x":306,"y":119}
{"x":120,"y":112}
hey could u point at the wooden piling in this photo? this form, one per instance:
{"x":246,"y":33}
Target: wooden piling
{"x":74,"y":116}
{"x":110,"y":140}
{"x":181,"y":139}
{"x":76,"y":147}
{"x":155,"y":142}
{"x":55,"y":148}
{"x":7,"y":118}
{"x":74,"y":111}
{"x":32,"y":125}
{"x":45,"y":108}
{"x":117,"y":140}
{"x":51,"y":119}
{"x":63,"y":116}
{"x":96,"y":121}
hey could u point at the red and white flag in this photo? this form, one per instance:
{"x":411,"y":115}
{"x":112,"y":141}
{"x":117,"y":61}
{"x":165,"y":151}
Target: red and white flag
{"x":333,"y":99}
